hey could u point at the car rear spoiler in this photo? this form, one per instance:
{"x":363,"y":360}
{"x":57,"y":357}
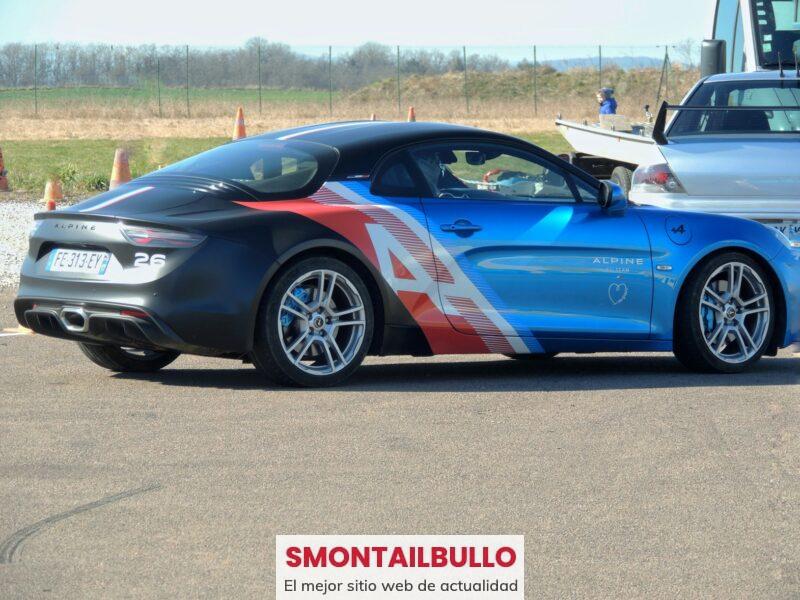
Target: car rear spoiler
{"x":659,"y":127}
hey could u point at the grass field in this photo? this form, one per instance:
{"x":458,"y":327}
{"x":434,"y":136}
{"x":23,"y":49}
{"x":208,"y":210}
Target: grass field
{"x":137,"y":101}
{"x":54,"y":96}
{"x":84,"y":166}
{"x":491,"y":95}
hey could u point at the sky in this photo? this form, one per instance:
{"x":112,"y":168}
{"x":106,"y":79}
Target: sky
{"x":352,"y":22}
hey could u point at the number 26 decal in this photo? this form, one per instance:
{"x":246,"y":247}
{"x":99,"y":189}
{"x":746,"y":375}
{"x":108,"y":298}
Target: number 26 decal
{"x":142,"y":259}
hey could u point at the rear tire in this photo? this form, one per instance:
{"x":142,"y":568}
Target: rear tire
{"x":124,"y":360}
{"x":725,"y":316}
{"x":315,"y":324}
{"x":622,"y":176}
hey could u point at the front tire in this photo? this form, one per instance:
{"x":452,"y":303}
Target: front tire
{"x":128,"y":360}
{"x":315,"y":324}
{"x":725,"y":316}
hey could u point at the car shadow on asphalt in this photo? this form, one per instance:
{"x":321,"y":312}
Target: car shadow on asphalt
{"x":565,"y":373}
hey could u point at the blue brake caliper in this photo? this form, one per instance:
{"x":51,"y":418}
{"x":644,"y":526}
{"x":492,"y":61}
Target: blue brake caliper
{"x":301,"y":294}
{"x":708,"y":317}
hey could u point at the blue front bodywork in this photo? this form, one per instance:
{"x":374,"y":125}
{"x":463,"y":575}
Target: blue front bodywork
{"x":554,"y":271}
{"x":575,"y":277}
{"x":706,"y":234}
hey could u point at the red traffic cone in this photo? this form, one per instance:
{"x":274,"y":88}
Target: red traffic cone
{"x":412,"y":115}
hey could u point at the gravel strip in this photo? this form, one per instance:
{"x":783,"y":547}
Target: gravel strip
{"x":16,"y":220}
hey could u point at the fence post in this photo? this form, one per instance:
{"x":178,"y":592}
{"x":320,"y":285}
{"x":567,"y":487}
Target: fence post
{"x":259,"y":75}
{"x":600,"y":66}
{"x":330,"y":80}
{"x":466,"y":89}
{"x":535,"y":83}
{"x":158,"y":83}
{"x":399,"y":98}
{"x":662,"y":79}
{"x":667,"y":67}
{"x":35,"y":81}
{"x":188,"y":112}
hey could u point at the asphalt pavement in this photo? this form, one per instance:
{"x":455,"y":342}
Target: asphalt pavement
{"x":628,"y":476}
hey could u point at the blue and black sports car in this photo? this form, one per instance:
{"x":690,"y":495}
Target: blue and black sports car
{"x":307,"y":249}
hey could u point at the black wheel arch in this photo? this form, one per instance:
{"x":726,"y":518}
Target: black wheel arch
{"x":779,"y":331}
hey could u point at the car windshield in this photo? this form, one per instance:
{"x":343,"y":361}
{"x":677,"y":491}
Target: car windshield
{"x":777,"y":32}
{"x":266,"y":167}
{"x":776,"y":108}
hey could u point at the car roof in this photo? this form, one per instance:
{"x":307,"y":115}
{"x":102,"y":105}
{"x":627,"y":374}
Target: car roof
{"x":789,"y":74}
{"x":341,"y":134}
{"x":362,"y":143}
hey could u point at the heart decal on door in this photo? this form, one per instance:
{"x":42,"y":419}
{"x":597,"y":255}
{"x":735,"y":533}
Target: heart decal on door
{"x":617,"y":293}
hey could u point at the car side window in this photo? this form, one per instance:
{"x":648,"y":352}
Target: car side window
{"x":394,"y":179}
{"x":486,"y":171}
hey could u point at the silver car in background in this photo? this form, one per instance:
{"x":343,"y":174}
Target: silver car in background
{"x":733,"y":147}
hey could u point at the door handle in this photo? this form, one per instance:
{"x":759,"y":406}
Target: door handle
{"x":461,"y":226}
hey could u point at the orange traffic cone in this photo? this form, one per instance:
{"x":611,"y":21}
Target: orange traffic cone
{"x":412,"y":116}
{"x":238,"y":125}
{"x":121,"y":171}
{"x":372,"y":117}
{"x":52,"y":193}
{"x":3,"y":175}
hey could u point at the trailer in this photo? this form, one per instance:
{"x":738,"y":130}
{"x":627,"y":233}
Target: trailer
{"x":744,"y":36}
{"x":609,"y":153}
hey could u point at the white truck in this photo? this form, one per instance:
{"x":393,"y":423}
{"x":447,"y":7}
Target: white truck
{"x":746,"y":36}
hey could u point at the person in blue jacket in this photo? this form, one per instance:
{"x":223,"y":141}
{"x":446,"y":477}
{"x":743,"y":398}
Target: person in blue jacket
{"x":605,"y":98}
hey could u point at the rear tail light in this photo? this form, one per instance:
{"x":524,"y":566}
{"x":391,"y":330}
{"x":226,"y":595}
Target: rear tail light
{"x":152,"y":237}
{"x":657,"y":179}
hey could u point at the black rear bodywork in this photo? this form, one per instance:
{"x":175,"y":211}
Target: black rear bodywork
{"x":206,"y":299}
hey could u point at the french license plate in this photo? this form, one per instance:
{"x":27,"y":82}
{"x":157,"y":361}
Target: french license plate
{"x":790,"y":229}
{"x":63,"y":260}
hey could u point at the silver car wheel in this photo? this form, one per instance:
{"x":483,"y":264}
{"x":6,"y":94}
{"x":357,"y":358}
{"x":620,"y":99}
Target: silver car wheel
{"x":734,"y":313}
{"x":322,"y":322}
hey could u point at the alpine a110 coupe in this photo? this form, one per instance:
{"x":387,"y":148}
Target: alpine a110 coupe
{"x":305,"y":250}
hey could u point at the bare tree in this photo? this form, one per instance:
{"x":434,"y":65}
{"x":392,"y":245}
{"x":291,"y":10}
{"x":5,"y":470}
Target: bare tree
{"x":687,"y":53}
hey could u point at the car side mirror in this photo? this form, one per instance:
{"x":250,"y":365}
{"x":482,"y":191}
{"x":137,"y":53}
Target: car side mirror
{"x":712,"y":57}
{"x":612,"y":197}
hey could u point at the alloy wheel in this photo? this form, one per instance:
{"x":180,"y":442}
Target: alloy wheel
{"x":734,"y":312}
{"x":321,"y":322}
